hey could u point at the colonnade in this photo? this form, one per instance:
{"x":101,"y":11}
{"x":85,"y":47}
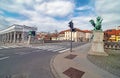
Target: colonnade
{"x":11,"y":37}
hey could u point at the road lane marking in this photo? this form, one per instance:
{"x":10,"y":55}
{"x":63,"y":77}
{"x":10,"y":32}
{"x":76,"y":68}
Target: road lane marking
{"x":59,"y":49}
{"x":4,"y":58}
{"x":64,"y":50}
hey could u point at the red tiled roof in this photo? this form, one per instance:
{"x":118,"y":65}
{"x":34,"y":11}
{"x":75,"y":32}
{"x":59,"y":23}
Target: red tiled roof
{"x":112,"y":32}
{"x":87,"y":31}
{"x":77,"y":29}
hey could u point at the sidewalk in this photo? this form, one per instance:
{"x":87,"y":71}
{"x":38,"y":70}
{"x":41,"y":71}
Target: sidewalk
{"x":77,"y":65}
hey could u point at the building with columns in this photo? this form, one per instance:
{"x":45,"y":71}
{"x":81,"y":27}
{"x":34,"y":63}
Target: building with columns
{"x":16,"y":34}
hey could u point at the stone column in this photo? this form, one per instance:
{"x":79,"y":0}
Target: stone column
{"x":18,"y":37}
{"x":10,"y":37}
{"x":0,"y":38}
{"x":23,"y":36}
{"x":3,"y":39}
{"x":14,"y":37}
{"x":7,"y":37}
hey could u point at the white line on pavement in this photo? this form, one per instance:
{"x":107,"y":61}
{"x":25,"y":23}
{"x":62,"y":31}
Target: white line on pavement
{"x":64,"y":50}
{"x":4,"y":58}
{"x":59,"y":49}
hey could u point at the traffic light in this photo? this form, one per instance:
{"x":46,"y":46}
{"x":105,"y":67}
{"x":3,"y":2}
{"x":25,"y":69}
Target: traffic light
{"x":71,"y":24}
{"x":32,"y":33}
{"x":73,"y":30}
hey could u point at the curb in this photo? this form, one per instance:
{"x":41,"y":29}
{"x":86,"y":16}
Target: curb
{"x":52,"y":68}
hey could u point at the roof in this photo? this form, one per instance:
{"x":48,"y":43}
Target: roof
{"x":87,"y":31}
{"x":16,"y":27}
{"x":68,"y":30}
{"x":112,"y":32}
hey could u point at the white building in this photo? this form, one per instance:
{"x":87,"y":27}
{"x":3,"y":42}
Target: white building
{"x":16,"y":34}
{"x":88,"y":35}
{"x":77,"y":36}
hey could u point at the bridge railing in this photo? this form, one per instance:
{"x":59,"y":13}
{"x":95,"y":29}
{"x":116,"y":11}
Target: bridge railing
{"x":112,"y":45}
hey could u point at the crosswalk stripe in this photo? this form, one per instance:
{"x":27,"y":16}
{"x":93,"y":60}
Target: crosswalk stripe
{"x":59,"y":49}
{"x":64,"y":50}
{"x":52,"y":48}
{"x":3,"y":47}
{"x":4,"y":58}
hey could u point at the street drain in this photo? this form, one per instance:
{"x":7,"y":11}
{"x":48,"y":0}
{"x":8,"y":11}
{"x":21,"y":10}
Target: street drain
{"x":74,"y":73}
{"x":71,"y":56}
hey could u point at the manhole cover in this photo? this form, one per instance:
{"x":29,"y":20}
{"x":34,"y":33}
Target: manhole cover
{"x":73,"y":73}
{"x":71,"y":56}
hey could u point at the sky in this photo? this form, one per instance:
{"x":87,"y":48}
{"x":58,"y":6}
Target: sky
{"x":51,"y":15}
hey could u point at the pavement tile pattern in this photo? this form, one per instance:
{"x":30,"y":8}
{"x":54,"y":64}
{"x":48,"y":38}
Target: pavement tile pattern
{"x":74,"y":73}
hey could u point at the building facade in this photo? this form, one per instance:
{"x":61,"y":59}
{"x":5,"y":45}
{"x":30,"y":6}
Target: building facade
{"x":16,"y":34}
{"x":77,"y":36}
{"x":112,"y":35}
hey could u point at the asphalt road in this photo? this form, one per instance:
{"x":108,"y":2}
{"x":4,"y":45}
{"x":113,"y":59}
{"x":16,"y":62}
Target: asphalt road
{"x":27,"y":62}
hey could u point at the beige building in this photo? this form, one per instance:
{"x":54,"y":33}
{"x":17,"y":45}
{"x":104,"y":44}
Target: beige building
{"x":88,"y":35}
{"x":77,"y":36}
{"x":61,"y":35}
{"x":16,"y":34}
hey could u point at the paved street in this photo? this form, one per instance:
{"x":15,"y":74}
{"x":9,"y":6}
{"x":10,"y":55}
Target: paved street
{"x":31,"y":62}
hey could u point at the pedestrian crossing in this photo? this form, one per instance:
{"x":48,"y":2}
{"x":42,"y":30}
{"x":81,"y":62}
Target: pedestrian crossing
{"x":6,"y":47}
{"x":52,"y":48}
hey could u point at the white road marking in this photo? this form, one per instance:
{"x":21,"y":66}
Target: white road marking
{"x":64,"y":50}
{"x":59,"y":49}
{"x":4,"y":47}
{"x":22,"y":53}
{"x":4,"y":58}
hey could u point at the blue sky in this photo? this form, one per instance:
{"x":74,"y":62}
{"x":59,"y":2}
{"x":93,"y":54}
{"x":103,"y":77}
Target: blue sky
{"x":50,"y":15}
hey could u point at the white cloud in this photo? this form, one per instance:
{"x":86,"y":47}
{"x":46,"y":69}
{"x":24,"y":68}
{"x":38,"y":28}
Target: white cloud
{"x":109,"y":10}
{"x":3,"y":22}
{"x":55,"y":8}
{"x":82,"y":22}
{"x":36,"y":16}
{"x":85,"y":8}
{"x":41,"y":13}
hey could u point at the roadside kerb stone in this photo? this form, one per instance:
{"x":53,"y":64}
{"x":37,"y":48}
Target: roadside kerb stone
{"x":61,"y":64}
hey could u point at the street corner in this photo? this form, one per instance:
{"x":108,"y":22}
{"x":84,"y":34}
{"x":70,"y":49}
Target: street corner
{"x":62,"y":65}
